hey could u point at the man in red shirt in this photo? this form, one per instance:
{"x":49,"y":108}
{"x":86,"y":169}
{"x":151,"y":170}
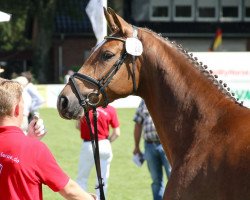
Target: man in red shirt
{"x":25,"y":162}
{"x":107,"y":118}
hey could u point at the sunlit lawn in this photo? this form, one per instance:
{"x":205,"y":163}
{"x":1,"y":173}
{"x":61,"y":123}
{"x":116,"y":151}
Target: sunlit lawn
{"x":126,"y":182}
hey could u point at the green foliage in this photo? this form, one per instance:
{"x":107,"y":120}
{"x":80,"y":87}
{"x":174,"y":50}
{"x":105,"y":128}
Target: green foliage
{"x":12,"y":35}
{"x":126,"y":182}
{"x":31,"y":26}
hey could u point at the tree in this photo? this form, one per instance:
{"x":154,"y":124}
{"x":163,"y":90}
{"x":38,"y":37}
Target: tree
{"x":42,"y":38}
{"x":35,"y":17}
{"x":11,"y":35}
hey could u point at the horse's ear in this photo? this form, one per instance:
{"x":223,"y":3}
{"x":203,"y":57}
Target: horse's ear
{"x":116,"y":23}
{"x":110,"y":20}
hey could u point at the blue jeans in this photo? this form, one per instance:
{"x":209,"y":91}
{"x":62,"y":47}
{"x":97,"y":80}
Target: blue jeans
{"x":156,"y":161}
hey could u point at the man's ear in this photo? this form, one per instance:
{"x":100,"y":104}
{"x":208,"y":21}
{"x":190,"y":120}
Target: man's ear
{"x":17,"y":110}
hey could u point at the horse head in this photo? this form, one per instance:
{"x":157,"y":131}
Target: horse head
{"x":107,"y":74}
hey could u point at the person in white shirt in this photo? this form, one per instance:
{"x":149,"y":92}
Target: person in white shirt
{"x":27,"y":102}
{"x":37,"y":99}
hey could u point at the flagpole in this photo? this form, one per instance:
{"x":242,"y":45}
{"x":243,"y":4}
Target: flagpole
{"x":94,"y":10}
{"x":105,"y":30}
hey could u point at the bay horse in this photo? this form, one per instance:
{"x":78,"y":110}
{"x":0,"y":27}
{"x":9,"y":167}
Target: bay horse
{"x":204,"y":130}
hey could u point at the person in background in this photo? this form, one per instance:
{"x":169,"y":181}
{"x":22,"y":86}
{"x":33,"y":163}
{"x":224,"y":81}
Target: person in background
{"x":37,"y":99}
{"x":154,"y":153}
{"x":107,"y":117}
{"x":25,"y":162}
{"x":27,"y":102}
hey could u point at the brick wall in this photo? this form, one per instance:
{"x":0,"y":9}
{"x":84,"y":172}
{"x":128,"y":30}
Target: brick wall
{"x":74,"y":51}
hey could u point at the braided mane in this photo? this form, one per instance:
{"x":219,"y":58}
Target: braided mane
{"x":223,"y":87}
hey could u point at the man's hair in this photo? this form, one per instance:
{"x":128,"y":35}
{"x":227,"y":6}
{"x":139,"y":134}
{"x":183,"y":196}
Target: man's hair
{"x":10,"y":95}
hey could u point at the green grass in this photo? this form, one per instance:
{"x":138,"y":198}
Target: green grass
{"x":126,"y":182}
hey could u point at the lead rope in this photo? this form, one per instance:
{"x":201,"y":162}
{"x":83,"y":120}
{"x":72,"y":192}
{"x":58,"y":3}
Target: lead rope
{"x":135,"y":35}
{"x":95,"y":148}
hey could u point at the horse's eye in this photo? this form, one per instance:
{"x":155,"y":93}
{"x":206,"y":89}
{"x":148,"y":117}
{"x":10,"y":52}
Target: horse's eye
{"x":107,"y":55}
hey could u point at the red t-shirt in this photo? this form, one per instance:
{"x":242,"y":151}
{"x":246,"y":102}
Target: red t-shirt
{"x":26,"y":164}
{"x":106,"y":117}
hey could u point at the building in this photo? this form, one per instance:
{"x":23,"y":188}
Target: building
{"x":192,"y":23}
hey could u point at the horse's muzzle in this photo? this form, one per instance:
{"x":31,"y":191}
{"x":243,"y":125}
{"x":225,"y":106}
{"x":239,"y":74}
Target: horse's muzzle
{"x":68,"y":108}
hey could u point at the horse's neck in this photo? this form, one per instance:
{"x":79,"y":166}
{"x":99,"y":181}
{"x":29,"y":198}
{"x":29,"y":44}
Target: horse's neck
{"x":181,"y":100}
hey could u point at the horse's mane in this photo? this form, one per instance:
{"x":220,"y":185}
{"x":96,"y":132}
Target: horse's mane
{"x":222,"y":87}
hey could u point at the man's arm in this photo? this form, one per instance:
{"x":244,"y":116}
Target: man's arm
{"x":115,"y":134}
{"x":137,"y":137}
{"x":72,"y":191}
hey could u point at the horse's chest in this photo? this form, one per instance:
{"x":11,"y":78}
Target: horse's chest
{"x":207,"y":182}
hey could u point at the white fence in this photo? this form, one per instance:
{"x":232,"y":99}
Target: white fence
{"x":231,"y":67}
{"x":50,"y":93}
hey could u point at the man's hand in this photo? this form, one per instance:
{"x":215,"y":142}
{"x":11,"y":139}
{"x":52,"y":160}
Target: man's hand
{"x":36,"y":129}
{"x":137,"y":150}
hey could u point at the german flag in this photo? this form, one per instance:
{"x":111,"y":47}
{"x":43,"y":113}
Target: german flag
{"x":216,"y":41}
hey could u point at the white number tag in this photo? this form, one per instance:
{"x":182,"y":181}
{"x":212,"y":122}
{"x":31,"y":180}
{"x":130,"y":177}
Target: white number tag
{"x":134,"y":46}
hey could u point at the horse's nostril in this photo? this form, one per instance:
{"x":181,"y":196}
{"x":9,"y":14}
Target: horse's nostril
{"x":63,"y":102}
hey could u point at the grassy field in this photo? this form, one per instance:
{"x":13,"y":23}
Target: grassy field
{"x":126,"y":182}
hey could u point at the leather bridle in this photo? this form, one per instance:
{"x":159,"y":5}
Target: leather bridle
{"x":100,"y":84}
{"x":87,"y":100}
{"x":105,"y":80}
